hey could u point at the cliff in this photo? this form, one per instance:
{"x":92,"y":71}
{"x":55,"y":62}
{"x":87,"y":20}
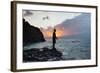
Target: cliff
{"x":31,"y":34}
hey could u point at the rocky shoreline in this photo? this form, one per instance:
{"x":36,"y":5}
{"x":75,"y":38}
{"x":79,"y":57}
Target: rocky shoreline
{"x":41,"y":55}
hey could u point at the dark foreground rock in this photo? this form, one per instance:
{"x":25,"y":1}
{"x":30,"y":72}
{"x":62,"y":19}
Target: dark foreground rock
{"x":43,"y":54}
{"x":31,"y":34}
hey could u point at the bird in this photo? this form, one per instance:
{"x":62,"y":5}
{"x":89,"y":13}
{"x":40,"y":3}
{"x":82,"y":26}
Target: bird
{"x":46,"y":18}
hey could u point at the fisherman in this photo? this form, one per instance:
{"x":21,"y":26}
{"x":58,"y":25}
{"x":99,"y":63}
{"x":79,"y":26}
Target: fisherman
{"x":54,"y":38}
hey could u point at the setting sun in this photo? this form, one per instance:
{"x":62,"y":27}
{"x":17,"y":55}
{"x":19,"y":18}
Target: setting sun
{"x":59,"y":33}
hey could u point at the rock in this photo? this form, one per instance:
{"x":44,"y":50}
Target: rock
{"x":38,"y":55}
{"x":31,"y":34}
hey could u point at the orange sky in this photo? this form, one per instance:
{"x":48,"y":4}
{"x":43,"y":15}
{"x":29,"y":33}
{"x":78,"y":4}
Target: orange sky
{"x":60,"y":32}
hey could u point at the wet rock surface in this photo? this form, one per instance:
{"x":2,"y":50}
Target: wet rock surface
{"x":42,"y":54}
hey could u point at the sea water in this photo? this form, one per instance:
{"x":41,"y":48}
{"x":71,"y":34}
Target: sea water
{"x":72,"y":49}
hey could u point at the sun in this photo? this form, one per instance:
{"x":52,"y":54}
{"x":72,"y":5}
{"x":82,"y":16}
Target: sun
{"x":48,"y":34}
{"x":59,"y":33}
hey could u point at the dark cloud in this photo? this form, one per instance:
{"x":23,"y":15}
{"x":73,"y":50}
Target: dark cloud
{"x":27,"y":12}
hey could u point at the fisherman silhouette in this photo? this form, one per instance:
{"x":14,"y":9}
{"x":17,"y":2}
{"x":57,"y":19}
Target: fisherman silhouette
{"x":54,"y":38}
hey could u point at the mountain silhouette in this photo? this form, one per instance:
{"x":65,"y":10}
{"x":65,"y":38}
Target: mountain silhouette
{"x":80,"y":24}
{"x":31,"y":34}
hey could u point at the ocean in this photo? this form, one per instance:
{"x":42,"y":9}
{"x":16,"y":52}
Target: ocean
{"x":72,"y":49}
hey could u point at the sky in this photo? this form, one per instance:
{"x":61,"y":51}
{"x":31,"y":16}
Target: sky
{"x":66,"y":23}
{"x":45,"y":19}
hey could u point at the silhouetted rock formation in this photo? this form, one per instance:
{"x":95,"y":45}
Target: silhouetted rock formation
{"x":42,"y":54}
{"x":31,"y":34}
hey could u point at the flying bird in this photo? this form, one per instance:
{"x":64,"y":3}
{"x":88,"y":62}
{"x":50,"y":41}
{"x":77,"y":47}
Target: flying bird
{"x":46,"y":18}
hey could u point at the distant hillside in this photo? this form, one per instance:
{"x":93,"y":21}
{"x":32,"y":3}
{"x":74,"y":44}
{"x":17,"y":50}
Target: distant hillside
{"x":80,"y":25}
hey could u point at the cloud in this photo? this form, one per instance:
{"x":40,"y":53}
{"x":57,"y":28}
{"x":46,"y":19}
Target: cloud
{"x":27,"y":12}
